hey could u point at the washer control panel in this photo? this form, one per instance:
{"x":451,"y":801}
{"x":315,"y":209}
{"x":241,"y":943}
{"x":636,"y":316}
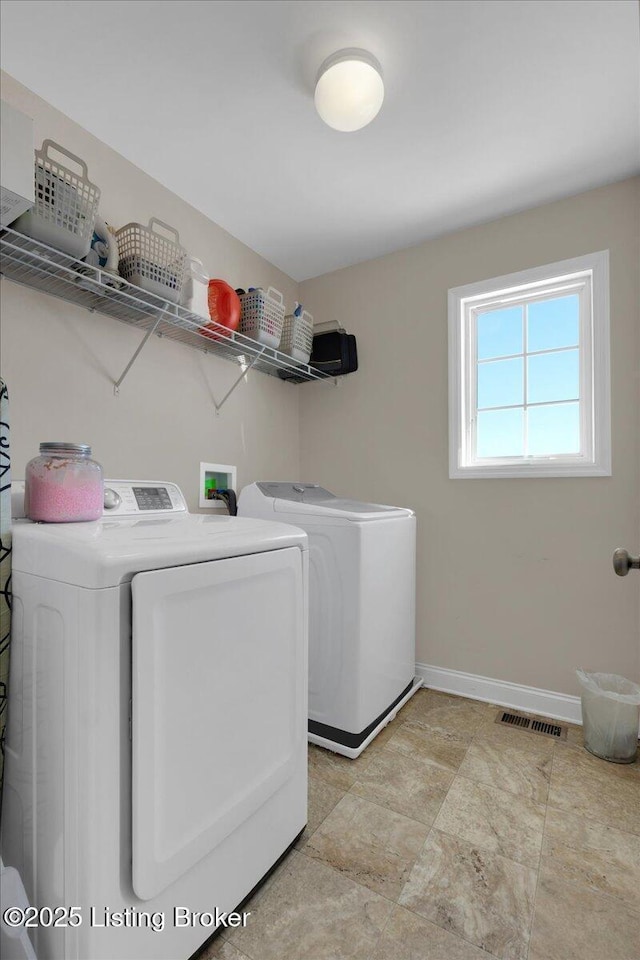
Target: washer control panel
{"x":306,"y":492}
{"x":127,"y":498}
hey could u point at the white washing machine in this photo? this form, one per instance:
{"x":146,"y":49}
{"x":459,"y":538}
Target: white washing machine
{"x":362,"y":576}
{"x":156,"y":751}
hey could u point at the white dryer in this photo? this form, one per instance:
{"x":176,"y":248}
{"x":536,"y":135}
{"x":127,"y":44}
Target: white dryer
{"x":156,"y":752}
{"x":362,"y":574}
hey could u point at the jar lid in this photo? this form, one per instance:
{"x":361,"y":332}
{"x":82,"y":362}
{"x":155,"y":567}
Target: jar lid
{"x":59,"y":447}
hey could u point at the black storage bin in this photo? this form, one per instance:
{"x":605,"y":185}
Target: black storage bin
{"x":334,"y":353}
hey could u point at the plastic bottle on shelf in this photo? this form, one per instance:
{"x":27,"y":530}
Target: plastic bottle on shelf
{"x":195,"y":295}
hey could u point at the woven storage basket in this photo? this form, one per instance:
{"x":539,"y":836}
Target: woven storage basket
{"x":262,"y":316}
{"x":297,"y":336}
{"x":66,"y":203}
{"x":152,"y":260}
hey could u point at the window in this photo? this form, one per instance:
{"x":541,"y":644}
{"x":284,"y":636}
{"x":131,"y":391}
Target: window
{"x":529,"y":373}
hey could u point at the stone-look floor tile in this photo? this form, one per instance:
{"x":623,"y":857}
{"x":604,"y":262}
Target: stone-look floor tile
{"x":573,"y":922}
{"x":335,"y":769}
{"x":322,"y":799}
{"x":313,"y":912}
{"x":523,"y":768}
{"x":499,"y":821}
{"x":409,"y":937}
{"x":409,"y":787}
{"x":481,"y":896}
{"x":415,"y":740}
{"x":603,"y":858}
{"x":595,"y":789}
{"x":221,"y":950}
{"x":446,"y":714}
{"x":368,"y":843}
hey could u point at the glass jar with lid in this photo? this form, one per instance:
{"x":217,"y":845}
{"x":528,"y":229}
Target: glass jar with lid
{"x":63,"y":484}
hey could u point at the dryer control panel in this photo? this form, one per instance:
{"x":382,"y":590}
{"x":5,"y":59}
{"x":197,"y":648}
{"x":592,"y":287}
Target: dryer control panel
{"x":127,"y":498}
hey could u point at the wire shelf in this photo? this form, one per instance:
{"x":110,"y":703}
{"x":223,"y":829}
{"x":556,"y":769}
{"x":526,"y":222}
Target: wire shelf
{"x":36,"y":265}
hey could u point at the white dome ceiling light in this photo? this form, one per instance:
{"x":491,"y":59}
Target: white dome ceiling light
{"x":349,"y":90}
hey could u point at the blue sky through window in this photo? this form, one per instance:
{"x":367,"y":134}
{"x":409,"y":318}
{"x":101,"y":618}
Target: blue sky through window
{"x":500,"y":383}
{"x":500,"y":433}
{"x":500,"y":333}
{"x":553,"y":429}
{"x":553,"y":376}
{"x":553,"y":323}
{"x":552,"y":379}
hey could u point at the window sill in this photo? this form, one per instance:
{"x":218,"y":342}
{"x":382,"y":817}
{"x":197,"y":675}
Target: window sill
{"x":529,"y":470}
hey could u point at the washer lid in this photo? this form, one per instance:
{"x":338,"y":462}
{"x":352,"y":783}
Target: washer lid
{"x":108,"y":552}
{"x":304,"y":499}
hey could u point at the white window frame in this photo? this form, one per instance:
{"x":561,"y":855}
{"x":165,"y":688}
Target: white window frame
{"x":588,"y":276}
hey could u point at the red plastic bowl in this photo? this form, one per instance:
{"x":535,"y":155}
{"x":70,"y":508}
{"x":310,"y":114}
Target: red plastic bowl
{"x":224,"y":309}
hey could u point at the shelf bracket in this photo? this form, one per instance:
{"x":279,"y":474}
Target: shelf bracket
{"x":117,"y":383}
{"x":220,"y":405}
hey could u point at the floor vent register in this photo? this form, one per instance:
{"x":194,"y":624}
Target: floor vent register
{"x":541,"y":725}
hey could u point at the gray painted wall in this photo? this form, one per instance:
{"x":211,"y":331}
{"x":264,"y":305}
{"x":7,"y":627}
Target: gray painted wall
{"x":514,"y":576}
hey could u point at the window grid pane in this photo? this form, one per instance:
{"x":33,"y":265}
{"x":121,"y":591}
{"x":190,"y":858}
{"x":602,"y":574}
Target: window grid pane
{"x":485,"y":443}
{"x":553,"y":429}
{"x":552,"y":376}
{"x":500,"y":433}
{"x":499,"y":333}
{"x":553,"y":323}
{"x":501,"y":384}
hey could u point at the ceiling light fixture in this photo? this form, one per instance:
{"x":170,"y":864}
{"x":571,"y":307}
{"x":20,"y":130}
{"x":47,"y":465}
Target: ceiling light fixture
{"x":349,"y":90}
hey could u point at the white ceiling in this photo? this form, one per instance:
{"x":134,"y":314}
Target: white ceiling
{"x":491,"y":106}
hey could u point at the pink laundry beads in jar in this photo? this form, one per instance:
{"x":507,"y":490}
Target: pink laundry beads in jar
{"x":63,"y":484}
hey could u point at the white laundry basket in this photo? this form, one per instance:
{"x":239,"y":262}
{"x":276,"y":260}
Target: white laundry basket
{"x":151,"y":258}
{"x":297,"y":336}
{"x":66,"y":203}
{"x":262,"y":316}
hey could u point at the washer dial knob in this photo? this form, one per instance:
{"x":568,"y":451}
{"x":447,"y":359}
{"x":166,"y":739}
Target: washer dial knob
{"x":112,"y":499}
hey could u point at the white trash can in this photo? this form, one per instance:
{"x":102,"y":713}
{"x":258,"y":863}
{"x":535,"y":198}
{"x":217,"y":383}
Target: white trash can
{"x":610,"y":715}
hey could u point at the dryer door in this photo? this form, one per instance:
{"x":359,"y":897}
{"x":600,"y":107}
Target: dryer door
{"x":218,"y":703}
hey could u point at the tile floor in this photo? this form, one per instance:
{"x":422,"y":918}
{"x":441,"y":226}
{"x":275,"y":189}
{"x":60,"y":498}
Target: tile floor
{"x":452,"y":838}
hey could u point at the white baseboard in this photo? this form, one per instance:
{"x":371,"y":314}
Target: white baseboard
{"x":559,"y":706}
